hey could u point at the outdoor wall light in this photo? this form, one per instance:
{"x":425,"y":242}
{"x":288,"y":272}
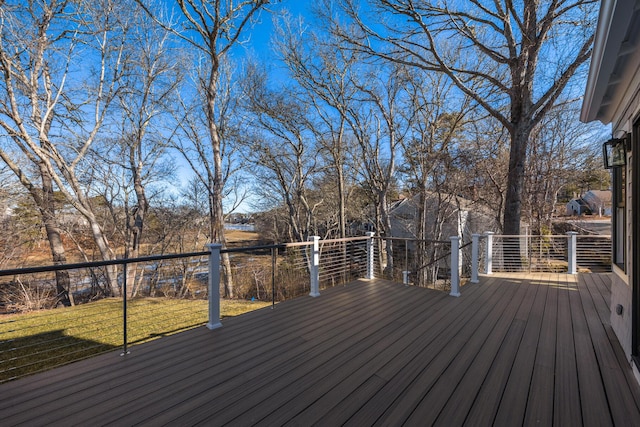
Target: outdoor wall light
{"x":614,"y":153}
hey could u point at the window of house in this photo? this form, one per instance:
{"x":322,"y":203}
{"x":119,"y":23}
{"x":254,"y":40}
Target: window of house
{"x":619,"y":216}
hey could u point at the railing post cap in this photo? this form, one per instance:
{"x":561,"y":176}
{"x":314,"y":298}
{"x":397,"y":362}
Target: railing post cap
{"x":455,"y":238}
{"x":488,"y":233}
{"x":572,"y":233}
{"x":213,"y":246}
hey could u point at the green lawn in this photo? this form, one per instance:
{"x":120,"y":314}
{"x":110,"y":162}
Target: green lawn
{"x":41,"y":340}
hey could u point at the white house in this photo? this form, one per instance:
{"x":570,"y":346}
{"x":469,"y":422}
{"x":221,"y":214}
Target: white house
{"x":447,"y":215}
{"x":578,"y":207}
{"x":599,"y":201}
{"x":596,"y":202}
{"x":613,"y":96}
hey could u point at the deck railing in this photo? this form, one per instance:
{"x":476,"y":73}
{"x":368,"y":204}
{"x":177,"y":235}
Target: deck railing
{"x":159,"y":295}
{"x":570,"y":253}
{"x":122,"y":302}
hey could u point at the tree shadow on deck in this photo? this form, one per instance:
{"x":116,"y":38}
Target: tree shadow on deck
{"x":40,"y":352}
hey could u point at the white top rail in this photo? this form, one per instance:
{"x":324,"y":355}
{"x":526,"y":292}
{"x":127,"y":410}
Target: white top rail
{"x":520,"y":236}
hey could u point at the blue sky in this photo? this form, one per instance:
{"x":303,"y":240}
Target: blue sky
{"x":258,"y":45}
{"x":263,"y":30}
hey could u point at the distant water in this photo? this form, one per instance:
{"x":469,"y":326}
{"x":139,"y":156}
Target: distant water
{"x":240,"y":227}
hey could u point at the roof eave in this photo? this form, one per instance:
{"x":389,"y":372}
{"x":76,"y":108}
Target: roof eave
{"x":613,"y":23}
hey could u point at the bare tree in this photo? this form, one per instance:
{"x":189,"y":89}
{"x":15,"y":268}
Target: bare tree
{"x":513,"y":59}
{"x":437,"y":117}
{"x":20,"y":224}
{"x":138,"y":153}
{"x":379,"y":130}
{"x":283,"y":149}
{"x":213,"y":28}
{"x":51,"y":118}
{"x":488,"y":158}
{"x":322,"y":70}
{"x":559,"y":155}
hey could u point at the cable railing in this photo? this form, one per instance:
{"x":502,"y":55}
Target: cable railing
{"x":570,"y":253}
{"x":594,"y":253}
{"x":342,"y":261}
{"x":122,"y":302}
{"x":141,"y":305}
{"x":530,"y":253}
{"x":417,"y":262}
{"x":119,"y":303}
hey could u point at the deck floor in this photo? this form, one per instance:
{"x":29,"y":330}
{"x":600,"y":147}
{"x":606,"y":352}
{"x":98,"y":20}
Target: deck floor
{"x":523,"y":350}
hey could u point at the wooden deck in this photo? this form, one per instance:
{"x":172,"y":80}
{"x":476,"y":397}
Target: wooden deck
{"x":510,"y":351}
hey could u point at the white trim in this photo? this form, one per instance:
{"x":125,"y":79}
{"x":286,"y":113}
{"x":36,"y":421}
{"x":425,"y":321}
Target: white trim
{"x":613,"y":24}
{"x":589,"y":111}
{"x":620,"y":273}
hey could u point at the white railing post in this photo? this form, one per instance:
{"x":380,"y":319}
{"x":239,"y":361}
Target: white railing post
{"x":214,"y":286}
{"x":488,"y":252}
{"x":572,"y":260}
{"x":455,"y":266}
{"x":475,"y":257}
{"x":315,"y":267}
{"x":370,"y":255}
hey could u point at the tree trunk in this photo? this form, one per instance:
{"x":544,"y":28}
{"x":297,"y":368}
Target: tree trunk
{"x":513,"y":201}
{"x":517,"y":160}
{"x":135,"y":227}
{"x":47,"y":211}
{"x":217,"y":221}
{"x":421,"y":250}
{"x":341,"y":203}
{"x":386,"y":230}
{"x":111,"y":271}
{"x":338,"y":156}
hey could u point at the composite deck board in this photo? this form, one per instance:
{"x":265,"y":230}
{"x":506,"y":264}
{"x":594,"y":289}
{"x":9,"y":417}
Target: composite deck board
{"x":401,"y":371}
{"x":595,"y":283}
{"x":347,"y":329}
{"x":603,"y":311}
{"x":303,"y":369}
{"x":540,"y":401}
{"x":324,"y":378}
{"x":511,"y":350}
{"x":600,"y":302}
{"x":246,"y":330}
{"x":593,"y":398}
{"x":443,"y":372}
{"x":351,"y":379}
{"x":513,"y":403}
{"x":602,"y":283}
{"x":566,"y":400}
{"x":221,"y":382}
{"x":464,"y":374}
{"x":130,"y":377}
{"x":488,"y":397}
{"x":621,"y":402}
{"x":344,"y":380}
{"x":461,"y":398}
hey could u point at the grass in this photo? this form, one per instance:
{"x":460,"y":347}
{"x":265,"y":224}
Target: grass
{"x":42,"y":340}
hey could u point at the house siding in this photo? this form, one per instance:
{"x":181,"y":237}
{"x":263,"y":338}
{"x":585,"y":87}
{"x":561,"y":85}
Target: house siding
{"x":613,"y":96}
{"x":621,"y":283}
